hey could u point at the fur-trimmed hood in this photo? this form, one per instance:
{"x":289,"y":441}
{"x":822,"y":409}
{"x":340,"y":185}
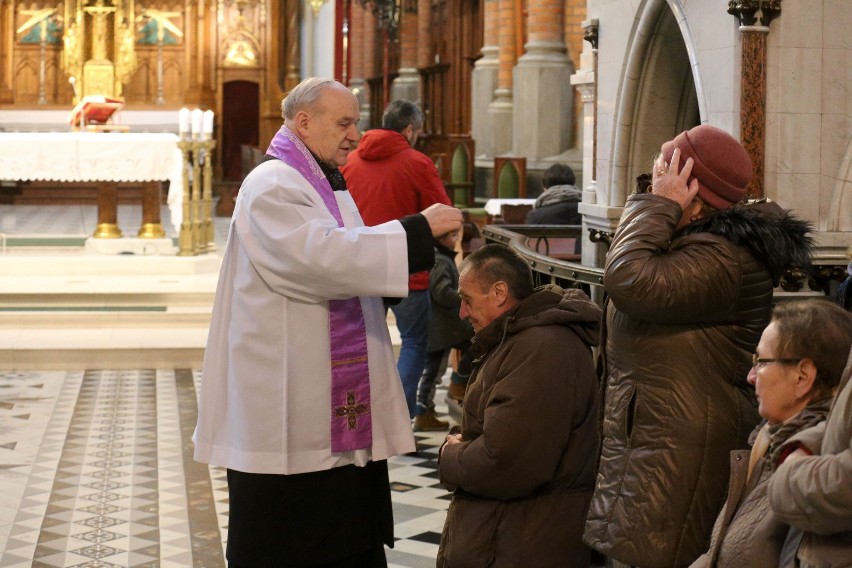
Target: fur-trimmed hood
{"x":772,"y":235}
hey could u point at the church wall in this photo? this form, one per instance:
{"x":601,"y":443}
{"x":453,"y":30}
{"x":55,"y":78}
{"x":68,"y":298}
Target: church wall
{"x":710,"y":35}
{"x":809,"y":114}
{"x":808,"y":138}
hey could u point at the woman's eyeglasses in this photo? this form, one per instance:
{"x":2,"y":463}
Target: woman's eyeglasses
{"x":758,"y":362}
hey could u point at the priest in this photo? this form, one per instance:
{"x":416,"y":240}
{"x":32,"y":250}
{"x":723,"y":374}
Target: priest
{"x":300,"y":397}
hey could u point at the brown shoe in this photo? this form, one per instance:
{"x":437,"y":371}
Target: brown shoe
{"x":456,"y":392}
{"x":428,"y":422}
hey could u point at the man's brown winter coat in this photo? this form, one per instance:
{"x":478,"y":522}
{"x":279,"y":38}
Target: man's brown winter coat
{"x":524,"y":473}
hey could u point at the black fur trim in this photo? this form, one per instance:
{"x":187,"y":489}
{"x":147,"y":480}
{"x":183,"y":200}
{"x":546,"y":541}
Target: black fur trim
{"x":772,"y":235}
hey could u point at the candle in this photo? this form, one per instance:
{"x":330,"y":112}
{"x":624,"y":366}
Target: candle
{"x":183,"y":122}
{"x":197,"y":117}
{"x":207,"y":128}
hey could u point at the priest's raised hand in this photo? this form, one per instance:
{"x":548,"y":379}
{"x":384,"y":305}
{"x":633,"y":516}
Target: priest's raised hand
{"x":442,"y":219}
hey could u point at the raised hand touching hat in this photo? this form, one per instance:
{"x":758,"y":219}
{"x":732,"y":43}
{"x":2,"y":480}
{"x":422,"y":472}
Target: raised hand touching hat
{"x":721,"y":165}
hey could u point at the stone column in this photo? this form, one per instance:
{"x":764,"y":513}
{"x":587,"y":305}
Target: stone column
{"x":753,"y":81}
{"x":585,"y":79}
{"x":598,"y":219}
{"x":407,"y":83}
{"x":484,"y":81}
{"x":542,"y":85}
{"x":501,"y":108}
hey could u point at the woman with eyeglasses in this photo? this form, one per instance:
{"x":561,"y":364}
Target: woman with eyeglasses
{"x":812,"y":489}
{"x":797,"y":367}
{"x":690,"y":277}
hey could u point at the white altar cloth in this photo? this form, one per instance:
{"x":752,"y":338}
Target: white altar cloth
{"x":95,"y":156}
{"x":493,"y":206}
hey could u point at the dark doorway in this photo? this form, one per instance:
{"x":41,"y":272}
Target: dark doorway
{"x":240,"y":120}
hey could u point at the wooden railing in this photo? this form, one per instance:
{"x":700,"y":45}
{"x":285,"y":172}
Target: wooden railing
{"x":544,"y":249}
{"x":536,"y":244}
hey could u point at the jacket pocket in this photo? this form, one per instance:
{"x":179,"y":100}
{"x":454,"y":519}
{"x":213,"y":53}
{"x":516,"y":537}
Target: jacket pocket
{"x":630,"y":415}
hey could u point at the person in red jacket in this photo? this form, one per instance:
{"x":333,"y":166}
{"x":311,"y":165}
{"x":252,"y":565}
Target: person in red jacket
{"x":389,"y":179}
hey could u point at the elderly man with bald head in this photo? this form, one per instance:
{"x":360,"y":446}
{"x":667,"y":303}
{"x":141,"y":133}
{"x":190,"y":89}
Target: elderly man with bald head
{"x":300,"y":397}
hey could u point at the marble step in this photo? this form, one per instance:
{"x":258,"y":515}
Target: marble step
{"x":90,"y":316}
{"x":109,"y":352}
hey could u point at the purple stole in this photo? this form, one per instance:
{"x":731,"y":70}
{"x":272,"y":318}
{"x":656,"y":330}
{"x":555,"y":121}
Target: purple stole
{"x":351,"y":421}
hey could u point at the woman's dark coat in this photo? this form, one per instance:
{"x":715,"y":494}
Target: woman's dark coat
{"x":685,"y":314}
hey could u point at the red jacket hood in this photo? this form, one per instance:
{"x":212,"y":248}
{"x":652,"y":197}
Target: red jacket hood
{"x":381,"y":144}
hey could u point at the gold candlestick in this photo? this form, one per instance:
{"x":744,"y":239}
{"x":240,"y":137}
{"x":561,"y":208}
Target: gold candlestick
{"x":207,"y":231}
{"x":185,"y":240}
{"x":198,"y":246}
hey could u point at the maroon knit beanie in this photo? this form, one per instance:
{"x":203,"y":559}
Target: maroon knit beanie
{"x":722,"y":166}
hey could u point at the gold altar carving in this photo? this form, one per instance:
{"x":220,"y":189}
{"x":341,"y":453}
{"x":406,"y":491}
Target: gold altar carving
{"x":99,"y":53}
{"x":240,"y":46}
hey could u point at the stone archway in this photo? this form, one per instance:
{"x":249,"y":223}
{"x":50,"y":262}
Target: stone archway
{"x":839,"y":218}
{"x":660,"y":95}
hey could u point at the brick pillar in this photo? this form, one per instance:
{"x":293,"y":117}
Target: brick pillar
{"x":407,"y":83}
{"x":370,"y":67}
{"x":575,"y":16}
{"x":357,"y":74}
{"x":542,"y":85}
{"x":501,"y":108}
{"x":425,"y":57}
{"x":484,"y":81}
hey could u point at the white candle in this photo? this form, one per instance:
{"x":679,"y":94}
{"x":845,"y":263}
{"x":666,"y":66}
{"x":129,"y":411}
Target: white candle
{"x":183,"y":122}
{"x":197,"y":117}
{"x":207,"y":129}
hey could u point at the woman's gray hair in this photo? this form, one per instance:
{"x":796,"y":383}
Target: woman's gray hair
{"x":304,"y":95}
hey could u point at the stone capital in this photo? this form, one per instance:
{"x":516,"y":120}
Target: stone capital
{"x":591,"y":32}
{"x":748,"y":12}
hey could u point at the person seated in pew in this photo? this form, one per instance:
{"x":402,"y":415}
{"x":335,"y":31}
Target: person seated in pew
{"x":557,"y":204}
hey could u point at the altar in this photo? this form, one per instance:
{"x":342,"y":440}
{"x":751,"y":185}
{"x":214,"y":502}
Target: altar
{"x":110,"y":158}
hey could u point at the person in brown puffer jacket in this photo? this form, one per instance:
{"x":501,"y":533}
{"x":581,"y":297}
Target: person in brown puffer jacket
{"x":689,"y":275}
{"x":523,"y":466}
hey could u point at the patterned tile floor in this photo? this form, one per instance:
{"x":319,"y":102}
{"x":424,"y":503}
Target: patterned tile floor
{"x":96,"y":470}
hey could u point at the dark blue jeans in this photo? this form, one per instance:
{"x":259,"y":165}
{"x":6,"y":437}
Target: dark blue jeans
{"x":433,"y":371}
{"x":412,"y":319}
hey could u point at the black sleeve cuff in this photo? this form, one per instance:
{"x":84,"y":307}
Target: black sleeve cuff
{"x":421,"y":247}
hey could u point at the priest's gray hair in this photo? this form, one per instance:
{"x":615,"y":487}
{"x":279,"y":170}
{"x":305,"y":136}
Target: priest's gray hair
{"x":304,"y":95}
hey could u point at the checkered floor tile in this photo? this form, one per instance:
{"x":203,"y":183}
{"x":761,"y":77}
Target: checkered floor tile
{"x":96,"y":470}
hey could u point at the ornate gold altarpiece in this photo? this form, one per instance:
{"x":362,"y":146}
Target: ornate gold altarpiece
{"x":154,"y":54}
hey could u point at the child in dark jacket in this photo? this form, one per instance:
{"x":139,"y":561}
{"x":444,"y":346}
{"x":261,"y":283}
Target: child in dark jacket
{"x":446,"y":331}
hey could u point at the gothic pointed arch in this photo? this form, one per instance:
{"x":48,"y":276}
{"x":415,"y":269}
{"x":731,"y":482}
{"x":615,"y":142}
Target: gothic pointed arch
{"x":660,"y":94}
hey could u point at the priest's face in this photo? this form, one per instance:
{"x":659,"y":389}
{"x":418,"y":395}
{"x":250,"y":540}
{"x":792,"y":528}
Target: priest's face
{"x":331,"y":126}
